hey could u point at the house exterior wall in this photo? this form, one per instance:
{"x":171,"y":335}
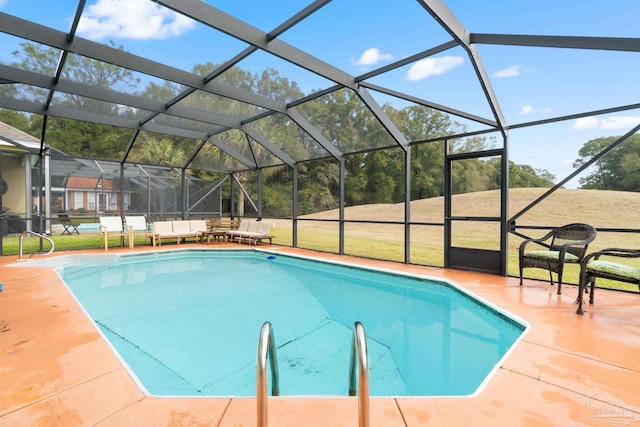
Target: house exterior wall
{"x":13,"y":173}
{"x":89,"y":201}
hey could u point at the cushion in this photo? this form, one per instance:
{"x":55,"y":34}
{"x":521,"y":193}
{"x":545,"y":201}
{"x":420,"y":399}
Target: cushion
{"x":197,"y":225}
{"x":163,"y":227}
{"x":139,"y":223}
{"x":181,"y":227}
{"x":614,"y":269}
{"x":264,"y":228}
{"x":111,"y":224}
{"x":552,"y":255}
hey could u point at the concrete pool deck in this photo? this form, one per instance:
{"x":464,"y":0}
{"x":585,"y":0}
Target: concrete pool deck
{"x":55,"y":369}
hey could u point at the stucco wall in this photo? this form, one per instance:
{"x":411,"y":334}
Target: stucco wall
{"x":13,"y":173}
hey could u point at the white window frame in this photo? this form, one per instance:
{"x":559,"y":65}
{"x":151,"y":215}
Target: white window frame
{"x":113,"y":201}
{"x":91,"y":200}
{"x":78,"y":201}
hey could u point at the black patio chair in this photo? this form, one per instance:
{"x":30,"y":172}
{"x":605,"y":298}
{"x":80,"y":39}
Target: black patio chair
{"x":70,"y":227}
{"x":563,"y":245}
{"x":593,"y":267}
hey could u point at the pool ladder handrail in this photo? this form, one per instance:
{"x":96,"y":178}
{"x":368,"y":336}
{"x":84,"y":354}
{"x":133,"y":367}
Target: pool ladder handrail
{"x":360,"y":356}
{"x":266,"y":348}
{"x":33,"y":233}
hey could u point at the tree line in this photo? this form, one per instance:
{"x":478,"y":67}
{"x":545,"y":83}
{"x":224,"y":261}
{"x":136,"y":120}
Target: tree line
{"x":374,"y":173}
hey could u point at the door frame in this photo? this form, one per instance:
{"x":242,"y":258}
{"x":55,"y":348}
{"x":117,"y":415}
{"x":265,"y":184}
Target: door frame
{"x":482,"y":260}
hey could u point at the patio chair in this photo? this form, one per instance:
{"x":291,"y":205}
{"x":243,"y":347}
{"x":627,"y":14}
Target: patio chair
{"x":235,"y":233}
{"x":593,"y":267}
{"x":563,"y":245}
{"x":136,"y":224}
{"x":70,"y":227}
{"x":111,"y":226}
{"x":263,"y":233}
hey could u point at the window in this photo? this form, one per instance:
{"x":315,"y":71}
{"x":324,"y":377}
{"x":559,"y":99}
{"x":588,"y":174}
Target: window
{"x":113,"y":201}
{"x":78,"y":202}
{"x":91,"y":200}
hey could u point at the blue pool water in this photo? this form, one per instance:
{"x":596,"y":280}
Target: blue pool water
{"x":187,"y":323}
{"x":89,"y":226}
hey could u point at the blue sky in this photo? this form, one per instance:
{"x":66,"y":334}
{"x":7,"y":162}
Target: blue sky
{"x":360,"y":35}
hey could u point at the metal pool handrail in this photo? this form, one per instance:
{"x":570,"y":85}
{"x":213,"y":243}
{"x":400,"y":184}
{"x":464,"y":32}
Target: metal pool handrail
{"x":266,"y":347}
{"x":24,"y":233}
{"x":359,"y":352}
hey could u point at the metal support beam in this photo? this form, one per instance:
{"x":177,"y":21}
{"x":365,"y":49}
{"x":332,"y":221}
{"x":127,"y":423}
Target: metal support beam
{"x":233,"y":153}
{"x":73,"y":114}
{"x":130,"y":145}
{"x":407,"y":205}
{"x":114,"y":97}
{"x":342,"y":202}
{"x":297,"y":18}
{"x":244,"y":191}
{"x":121,"y":190}
{"x":230,"y":25}
{"x":383,"y":118}
{"x":314,"y":133}
{"x":268,"y":145}
{"x":441,"y":13}
{"x":447,"y":206}
{"x":408,"y":60}
{"x":577,"y":172}
{"x":568,"y":42}
{"x":504,"y":208}
{"x":185,"y":194}
{"x":259,"y":194}
{"x":101,"y":52}
{"x":294,"y":208}
{"x":430,"y":104}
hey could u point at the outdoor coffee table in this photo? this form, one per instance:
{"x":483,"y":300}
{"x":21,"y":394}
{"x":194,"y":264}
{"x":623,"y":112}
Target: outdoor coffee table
{"x":216,"y":234}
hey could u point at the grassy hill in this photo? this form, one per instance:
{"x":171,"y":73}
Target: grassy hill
{"x":602,"y":209}
{"x":611,"y":209}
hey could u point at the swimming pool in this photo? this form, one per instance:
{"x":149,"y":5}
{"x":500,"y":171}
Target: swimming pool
{"x":89,"y":226}
{"x":187,"y":323}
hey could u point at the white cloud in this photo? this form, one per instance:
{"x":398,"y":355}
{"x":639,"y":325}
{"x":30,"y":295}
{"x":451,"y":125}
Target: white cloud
{"x":433,"y":67}
{"x":620,"y":122}
{"x":585,"y":123}
{"x":134,"y":19}
{"x":513,"y":71}
{"x":3,"y":2}
{"x":372,"y":56}
{"x":527,"y":110}
{"x":609,"y":123}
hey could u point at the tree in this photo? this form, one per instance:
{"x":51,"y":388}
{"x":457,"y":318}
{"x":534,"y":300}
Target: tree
{"x":520,"y":176}
{"x":617,"y":170}
{"x":80,"y":69}
{"x":16,"y":119}
{"x":156,"y":150}
{"x":74,"y":137}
